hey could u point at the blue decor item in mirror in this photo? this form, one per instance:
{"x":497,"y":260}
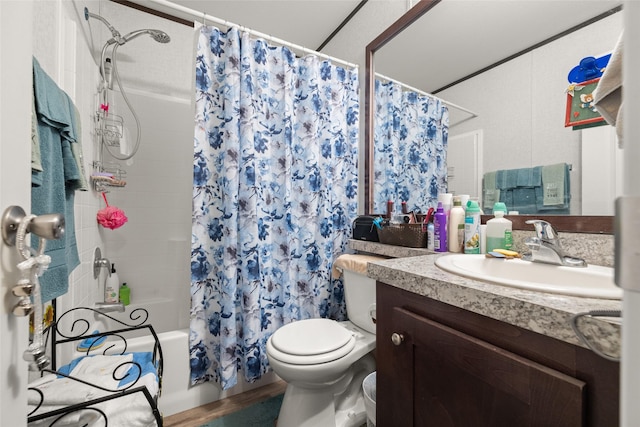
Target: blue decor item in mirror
{"x":588,"y":69}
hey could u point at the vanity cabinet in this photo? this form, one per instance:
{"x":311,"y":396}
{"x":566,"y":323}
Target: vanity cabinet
{"x":441,"y":366}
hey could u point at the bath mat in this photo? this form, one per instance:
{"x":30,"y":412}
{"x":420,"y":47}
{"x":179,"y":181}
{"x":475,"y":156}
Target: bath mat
{"x":261,"y":414}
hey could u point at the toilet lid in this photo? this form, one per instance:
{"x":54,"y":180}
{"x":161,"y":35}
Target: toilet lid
{"x":312,"y":341}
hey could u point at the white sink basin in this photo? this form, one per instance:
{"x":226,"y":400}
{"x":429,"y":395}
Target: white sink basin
{"x":594,"y":281}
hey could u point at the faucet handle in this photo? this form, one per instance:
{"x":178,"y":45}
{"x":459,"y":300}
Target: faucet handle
{"x":544,"y":230}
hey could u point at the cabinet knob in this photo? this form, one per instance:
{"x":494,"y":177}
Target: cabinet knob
{"x":397,"y":338}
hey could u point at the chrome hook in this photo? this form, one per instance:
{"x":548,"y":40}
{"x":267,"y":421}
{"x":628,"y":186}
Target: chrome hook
{"x":49,"y":226}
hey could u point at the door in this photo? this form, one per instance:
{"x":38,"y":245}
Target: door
{"x":15,"y":175}
{"x":459,"y":380}
{"x":464,"y":164}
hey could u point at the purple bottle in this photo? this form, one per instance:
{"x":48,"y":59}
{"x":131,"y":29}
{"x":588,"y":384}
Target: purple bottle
{"x":440,"y":229}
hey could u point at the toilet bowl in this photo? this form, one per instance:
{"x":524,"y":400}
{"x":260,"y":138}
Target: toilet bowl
{"x":324,"y":361}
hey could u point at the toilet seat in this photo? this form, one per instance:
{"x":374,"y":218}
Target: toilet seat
{"x":311,"y":341}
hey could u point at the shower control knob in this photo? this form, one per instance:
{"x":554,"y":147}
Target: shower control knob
{"x":397,"y":338}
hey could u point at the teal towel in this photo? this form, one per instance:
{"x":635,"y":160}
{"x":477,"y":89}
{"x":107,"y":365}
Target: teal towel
{"x":507,"y":179}
{"x":60,"y":178}
{"x":553,"y":184}
{"x":490,"y":193}
{"x":529,"y":177}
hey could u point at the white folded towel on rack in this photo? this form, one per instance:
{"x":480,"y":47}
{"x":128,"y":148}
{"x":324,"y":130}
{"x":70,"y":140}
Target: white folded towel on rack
{"x":126,"y":411}
{"x":608,"y":93}
{"x":96,"y":370}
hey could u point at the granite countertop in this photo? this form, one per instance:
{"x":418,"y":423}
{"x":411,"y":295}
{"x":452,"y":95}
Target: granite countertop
{"x":544,"y":313}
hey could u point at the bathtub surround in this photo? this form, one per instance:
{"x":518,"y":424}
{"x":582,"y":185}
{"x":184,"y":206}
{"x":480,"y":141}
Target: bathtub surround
{"x":410,"y":147}
{"x":274,"y":196}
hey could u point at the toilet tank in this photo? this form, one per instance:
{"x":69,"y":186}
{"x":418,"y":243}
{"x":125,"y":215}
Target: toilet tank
{"x":360,"y":297}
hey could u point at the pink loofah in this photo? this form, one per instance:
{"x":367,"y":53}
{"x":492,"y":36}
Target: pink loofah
{"x":111,"y":217}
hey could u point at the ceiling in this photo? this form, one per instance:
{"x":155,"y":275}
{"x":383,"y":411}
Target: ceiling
{"x":482,"y":31}
{"x":460,"y":37}
{"x":276,"y":18}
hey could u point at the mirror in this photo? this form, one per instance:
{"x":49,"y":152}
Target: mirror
{"x":476,"y":41}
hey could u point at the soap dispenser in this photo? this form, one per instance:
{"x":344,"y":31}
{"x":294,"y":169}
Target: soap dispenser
{"x":112,"y":286}
{"x":499,"y":229}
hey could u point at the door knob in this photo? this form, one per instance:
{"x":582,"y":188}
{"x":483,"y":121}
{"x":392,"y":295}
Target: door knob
{"x":397,"y":338}
{"x":48,"y":226}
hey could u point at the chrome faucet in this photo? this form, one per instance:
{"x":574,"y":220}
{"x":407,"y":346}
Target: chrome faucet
{"x":545,"y":247}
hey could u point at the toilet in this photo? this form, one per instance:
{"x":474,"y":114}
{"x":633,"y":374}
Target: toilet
{"x":324,"y":361}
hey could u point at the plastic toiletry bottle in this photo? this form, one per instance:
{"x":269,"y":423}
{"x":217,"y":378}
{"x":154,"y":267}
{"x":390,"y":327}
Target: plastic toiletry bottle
{"x":111,"y":286}
{"x":483,"y":238}
{"x":472,"y":228}
{"x":125,"y":294}
{"x":440,"y":230}
{"x":499,"y":229}
{"x":446,"y":199}
{"x":431,"y":236}
{"x":456,"y":226}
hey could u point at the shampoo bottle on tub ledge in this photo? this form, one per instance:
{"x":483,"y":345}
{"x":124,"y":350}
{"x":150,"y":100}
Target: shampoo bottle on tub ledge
{"x":112,"y":286}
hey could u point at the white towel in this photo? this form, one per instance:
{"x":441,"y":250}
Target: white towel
{"x":97,"y":370}
{"x":608,"y":94}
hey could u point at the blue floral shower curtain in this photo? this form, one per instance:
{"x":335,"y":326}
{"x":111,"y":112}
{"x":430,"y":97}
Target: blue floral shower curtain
{"x":274,"y":195}
{"x":410,"y":148}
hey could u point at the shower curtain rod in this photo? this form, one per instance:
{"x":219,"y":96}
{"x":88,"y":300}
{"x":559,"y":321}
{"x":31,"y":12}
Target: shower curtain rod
{"x":451,"y":104}
{"x":205,"y":17}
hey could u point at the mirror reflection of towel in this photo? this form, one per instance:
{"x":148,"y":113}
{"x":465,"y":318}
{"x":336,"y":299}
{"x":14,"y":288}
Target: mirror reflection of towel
{"x":490,"y":193}
{"x":553,"y":184}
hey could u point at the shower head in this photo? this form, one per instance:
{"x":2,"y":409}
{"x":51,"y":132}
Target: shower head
{"x":157,"y":35}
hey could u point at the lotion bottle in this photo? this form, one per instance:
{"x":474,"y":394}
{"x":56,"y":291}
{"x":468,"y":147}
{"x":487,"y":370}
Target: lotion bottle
{"x":440,"y":230}
{"x":112,"y":286}
{"x":456,"y":226}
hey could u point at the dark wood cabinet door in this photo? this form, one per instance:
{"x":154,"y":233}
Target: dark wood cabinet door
{"x":452,"y":379}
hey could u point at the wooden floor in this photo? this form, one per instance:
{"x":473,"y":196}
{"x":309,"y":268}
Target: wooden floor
{"x":203,"y":414}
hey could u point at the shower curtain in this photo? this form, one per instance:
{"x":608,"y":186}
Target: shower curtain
{"x":274,"y":195}
{"x":410,"y":148}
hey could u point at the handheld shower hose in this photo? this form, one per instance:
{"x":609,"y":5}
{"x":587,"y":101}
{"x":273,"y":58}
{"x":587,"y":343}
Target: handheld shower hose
{"x":114,"y":42}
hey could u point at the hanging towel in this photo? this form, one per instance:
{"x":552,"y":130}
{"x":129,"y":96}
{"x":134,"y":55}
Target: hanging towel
{"x":352,"y":262}
{"x":36,"y":162}
{"x":608,"y":94}
{"x":507,"y":179}
{"x":523,"y":200}
{"x":554,"y":180}
{"x":528,"y":177}
{"x":561,"y":209}
{"x":60,"y":179}
{"x":490,"y":193}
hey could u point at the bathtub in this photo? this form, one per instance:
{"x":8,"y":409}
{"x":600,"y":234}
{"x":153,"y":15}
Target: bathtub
{"x":177,"y":393}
